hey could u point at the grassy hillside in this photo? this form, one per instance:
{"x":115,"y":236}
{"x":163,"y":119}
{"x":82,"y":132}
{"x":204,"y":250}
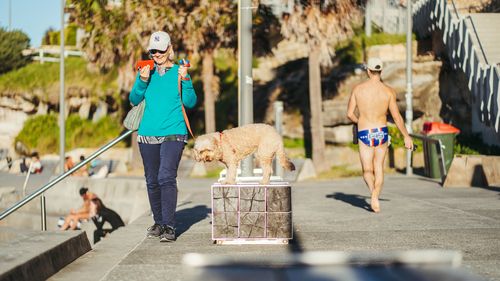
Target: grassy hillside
{"x":42,"y":80}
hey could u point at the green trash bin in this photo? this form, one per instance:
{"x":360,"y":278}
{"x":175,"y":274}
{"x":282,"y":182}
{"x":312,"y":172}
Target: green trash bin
{"x":446,"y":133}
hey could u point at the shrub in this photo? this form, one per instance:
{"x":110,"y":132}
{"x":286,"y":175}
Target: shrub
{"x":41,"y":133}
{"x":12,"y":43}
{"x":351,"y":51}
{"x":52,"y":37}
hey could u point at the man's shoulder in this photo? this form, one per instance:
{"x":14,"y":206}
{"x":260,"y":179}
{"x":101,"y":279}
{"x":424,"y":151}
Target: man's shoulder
{"x":360,"y":86}
{"x":388,"y":89}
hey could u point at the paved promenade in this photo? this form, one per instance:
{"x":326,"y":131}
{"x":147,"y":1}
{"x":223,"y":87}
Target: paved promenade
{"x":328,"y":216}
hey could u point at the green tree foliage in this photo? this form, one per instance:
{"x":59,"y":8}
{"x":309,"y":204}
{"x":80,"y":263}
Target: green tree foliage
{"x":52,"y":37}
{"x":41,"y":133}
{"x":12,"y":43}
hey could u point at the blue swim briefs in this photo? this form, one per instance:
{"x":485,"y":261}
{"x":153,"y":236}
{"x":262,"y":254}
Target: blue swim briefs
{"x":374,"y":137}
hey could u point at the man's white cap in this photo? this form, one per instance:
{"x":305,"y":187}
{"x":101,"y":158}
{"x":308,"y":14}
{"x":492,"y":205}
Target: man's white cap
{"x":375,"y":64}
{"x":159,"y":40}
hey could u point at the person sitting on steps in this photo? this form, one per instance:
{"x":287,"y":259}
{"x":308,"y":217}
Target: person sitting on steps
{"x":71,"y":220}
{"x":100,"y":215}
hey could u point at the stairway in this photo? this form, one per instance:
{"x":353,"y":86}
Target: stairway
{"x":472,"y":45}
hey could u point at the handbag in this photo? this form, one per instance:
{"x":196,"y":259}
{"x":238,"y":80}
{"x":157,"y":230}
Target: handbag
{"x":134,"y":116}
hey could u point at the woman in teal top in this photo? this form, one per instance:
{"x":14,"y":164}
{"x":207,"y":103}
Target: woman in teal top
{"x":162,"y":132}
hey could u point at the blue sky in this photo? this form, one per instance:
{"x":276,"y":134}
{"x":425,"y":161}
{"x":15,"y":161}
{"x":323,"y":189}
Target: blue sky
{"x":33,"y":17}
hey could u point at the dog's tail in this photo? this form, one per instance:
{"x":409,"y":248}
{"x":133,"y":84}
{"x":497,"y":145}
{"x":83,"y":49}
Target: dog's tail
{"x":283,"y":159}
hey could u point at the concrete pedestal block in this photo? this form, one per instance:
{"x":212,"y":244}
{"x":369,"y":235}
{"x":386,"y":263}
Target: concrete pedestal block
{"x":474,"y":170}
{"x":251,"y":213}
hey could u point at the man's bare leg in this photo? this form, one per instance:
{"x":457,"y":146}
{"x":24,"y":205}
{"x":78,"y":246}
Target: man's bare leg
{"x":366,"y":154}
{"x":378,"y":165}
{"x":76,"y":219}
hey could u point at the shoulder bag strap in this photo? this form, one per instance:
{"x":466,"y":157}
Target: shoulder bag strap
{"x":183,"y":109}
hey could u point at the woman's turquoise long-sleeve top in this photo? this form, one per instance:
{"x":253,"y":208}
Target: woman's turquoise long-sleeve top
{"x":163,"y":112}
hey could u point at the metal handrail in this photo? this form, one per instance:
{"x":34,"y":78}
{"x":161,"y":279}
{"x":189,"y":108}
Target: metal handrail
{"x":477,"y":37}
{"x":44,"y":188}
{"x":455,"y":8}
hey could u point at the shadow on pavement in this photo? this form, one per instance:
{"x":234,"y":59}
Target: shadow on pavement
{"x":353,"y":199}
{"x":295,"y":245}
{"x":187,"y":217}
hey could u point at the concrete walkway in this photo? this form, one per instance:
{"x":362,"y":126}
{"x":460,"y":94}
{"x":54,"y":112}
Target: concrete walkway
{"x":328,"y":216}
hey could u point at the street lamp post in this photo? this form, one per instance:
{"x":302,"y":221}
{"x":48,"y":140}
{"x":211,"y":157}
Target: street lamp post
{"x":409,"y":94}
{"x":62,"y":109}
{"x":10,"y":15}
{"x":245,"y":81}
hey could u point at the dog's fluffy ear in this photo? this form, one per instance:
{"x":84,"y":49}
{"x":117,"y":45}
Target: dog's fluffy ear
{"x":196,"y":154}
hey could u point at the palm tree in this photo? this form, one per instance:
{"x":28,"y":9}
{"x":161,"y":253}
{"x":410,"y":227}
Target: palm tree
{"x":320,"y":26}
{"x":209,"y":26}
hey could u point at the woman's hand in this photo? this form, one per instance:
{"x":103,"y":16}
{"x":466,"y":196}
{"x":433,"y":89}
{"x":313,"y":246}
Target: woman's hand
{"x":145,"y":73}
{"x":183,"y":71}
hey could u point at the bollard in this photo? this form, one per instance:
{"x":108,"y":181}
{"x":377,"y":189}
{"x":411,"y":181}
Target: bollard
{"x":278,"y":124}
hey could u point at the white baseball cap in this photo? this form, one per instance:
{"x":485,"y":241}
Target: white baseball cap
{"x":159,"y":40}
{"x":374,"y":64}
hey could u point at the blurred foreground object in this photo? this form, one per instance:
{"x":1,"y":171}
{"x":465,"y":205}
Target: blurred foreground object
{"x":345,"y":266}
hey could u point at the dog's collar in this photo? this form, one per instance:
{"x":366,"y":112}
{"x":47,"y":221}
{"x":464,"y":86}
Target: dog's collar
{"x":220,"y":140}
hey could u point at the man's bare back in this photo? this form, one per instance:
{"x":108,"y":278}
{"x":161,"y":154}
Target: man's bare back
{"x":372,"y":100}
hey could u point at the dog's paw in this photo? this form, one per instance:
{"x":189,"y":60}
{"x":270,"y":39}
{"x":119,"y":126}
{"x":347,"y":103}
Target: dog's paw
{"x":263,"y":182}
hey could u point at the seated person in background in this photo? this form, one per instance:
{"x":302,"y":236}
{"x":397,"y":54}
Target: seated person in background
{"x":36,"y":167}
{"x":23,"y":167}
{"x":100,"y":215}
{"x":68,"y":163}
{"x":71,"y":220}
{"x":98,"y":169}
{"x":82,"y":172}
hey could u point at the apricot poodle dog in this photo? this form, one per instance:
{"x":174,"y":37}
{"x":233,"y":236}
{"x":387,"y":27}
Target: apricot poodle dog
{"x":233,"y":145}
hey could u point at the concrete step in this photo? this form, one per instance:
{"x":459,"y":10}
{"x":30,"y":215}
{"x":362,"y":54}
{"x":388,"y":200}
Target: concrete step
{"x":35,"y":255}
{"x":106,"y":254}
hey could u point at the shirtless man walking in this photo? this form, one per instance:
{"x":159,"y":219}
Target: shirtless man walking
{"x":373,"y":99}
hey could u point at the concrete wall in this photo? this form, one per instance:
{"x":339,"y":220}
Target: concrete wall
{"x":126,"y":196}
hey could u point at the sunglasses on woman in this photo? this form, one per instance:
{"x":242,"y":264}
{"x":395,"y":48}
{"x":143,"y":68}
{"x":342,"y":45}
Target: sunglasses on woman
{"x":154,"y":51}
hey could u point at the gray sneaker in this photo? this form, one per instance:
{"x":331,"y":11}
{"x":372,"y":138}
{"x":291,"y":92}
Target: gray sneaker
{"x":168,"y":234}
{"x":154,"y":231}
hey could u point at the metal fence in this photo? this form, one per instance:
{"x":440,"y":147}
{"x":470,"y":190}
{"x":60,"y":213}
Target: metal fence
{"x":465,"y":52}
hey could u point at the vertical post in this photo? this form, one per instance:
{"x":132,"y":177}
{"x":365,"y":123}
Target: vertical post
{"x":43,"y":213}
{"x":368,"y":19}
{"x":27,"y":178}
{"x":278,"y":124}
{"x":10,"y":15}
{"x":409,"y":94}
{"x":62,"y":110}
{"x":245,"y":81}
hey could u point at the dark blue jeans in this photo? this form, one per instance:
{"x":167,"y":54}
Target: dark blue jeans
{"x":160,"y":168}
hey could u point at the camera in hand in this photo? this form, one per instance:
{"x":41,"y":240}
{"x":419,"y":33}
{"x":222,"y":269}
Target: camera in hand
{"x":142,"y":63}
